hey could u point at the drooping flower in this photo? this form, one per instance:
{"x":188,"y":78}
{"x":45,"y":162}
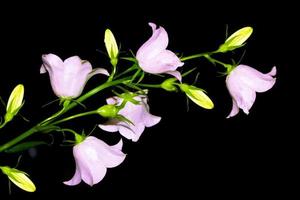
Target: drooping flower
{"x":243,"y":82}
{"x":68,"y":77}
{"x":138,"y":114}
{"x":93,"y":157}
{"x":19,"y":178}
{"x":154,"y":58}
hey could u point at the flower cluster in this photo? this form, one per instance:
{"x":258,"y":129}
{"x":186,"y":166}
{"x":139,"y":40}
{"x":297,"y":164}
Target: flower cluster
{"x":127,"y":110}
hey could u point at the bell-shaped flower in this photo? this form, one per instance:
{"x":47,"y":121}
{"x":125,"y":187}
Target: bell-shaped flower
{"x":68,"y":77}
{"x":243,"y":82}
{"x":93,"y":157}
{"x":19,"y":178}
{"x":138,"y":114}
{"x":154,"y":58}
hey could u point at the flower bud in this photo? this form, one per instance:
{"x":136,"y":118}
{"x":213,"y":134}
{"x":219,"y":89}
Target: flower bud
{"x":197,"y":95}
{"x":111,"y":47}
{"x":169,"y":85}
{"x":19,"y":178}
{"x":236,"y":40}
{"x":15,"y":102}
{"x":108,"y":111}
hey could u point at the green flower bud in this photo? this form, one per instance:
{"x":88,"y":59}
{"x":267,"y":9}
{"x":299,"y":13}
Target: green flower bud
{"x":108,"y":111}
{"x":197,"y":95}
{"x":111,"y":47}
{"x":19,"y":178}
{"x":15,"y":102}
{"x":169,"y":85}
{"x":236,"y":40}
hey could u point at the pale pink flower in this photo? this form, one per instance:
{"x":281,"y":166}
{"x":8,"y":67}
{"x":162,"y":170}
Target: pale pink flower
{"x":92,"y":157}
{"x":68,"y":77}
{"x":138,"y":114}
{"x":154,"y":58}
{"x":243,"y":82}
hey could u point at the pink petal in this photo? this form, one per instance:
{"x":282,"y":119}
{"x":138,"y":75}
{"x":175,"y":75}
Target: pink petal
{"x":151,"y":120}
{"x":76,"y":179}
{"x":246,"y":99}
{"x":132,"y":132}
{"x":256,"y":80}
{"x":109,"y":128}
{"x":273,"y":71}
{"x":164,"y":61}
{"x":52,"y":61}
{"x":74,"y":61}
{"x":113,"y":100}
{"x":97,"y":71}
{"x":118,"y":146}
{"x":234,"y":111}
{"x":243,"y":95}
{"x":91,"y":166}
{"x":155,"y":44}
{"x":176,"y":74}
{"x":109,"y":156}
{"x":43,"y":69}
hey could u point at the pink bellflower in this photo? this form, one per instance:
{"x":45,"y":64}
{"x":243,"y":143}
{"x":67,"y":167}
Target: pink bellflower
{"x":92,"y":157}
{"x":243,"y":82}
{"x":68,"y":77}
{"x":154,"y":58}
{"x":138,"y":114}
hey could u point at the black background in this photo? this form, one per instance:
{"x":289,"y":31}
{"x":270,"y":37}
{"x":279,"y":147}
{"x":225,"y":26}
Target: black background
{"x":189,"y":154}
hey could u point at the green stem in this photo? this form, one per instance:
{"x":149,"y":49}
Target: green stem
{"x":3,"y":124}
{"x":114,"y":69}
{"x":130,"y":69}
{"x":19,"y":138}
{"x":212,"y":60}
{"x":193,"y":56}
{"x":75,"y":116}
{"x":149,"y":85}
{"x":37,"y":127}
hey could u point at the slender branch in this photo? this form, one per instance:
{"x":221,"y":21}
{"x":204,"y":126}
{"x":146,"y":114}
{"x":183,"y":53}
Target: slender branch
{"x":75,"y":116}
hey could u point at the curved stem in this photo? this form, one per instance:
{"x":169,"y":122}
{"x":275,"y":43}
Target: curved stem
{"x":3,"y":124}
{"x":75,"y":116}
{"x":193,"y":56}
{"x":149,"y":85}
{"x":19,"y":138}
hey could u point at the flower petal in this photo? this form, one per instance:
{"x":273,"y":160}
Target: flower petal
{"x":97,"y":71}
{"x":52,"y":61}
{"x":43,"y":69}
{"x":110,"y":156}
{"x":234,"y":111}
{"x":155,"y":44}
{"x":110,"y":126}
{"x":118,"y":146}
{"x":76,"y":179}
{"x":132,"y":132}
{"x":151,"y":120}
{"x":176,"y":74}
{"x":91,"y":167}
{"x":256,"y":80}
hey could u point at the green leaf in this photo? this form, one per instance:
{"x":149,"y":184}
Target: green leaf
{"x":24,"y":146}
